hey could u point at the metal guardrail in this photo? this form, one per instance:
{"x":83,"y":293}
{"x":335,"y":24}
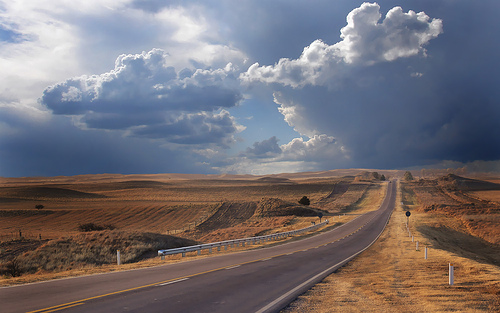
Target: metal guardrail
{"x":237,"y":242}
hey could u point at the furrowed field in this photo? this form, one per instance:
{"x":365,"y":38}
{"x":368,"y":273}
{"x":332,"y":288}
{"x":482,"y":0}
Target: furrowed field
{"x":60,"y":224}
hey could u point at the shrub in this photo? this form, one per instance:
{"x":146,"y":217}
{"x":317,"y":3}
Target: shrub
{"x":304,"y":201}
{"x":408,"y":176}
{"x":12,"y":268}
{"x":94,"y":227}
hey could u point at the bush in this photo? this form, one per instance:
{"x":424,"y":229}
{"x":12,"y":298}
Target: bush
{"x":12,"y":268}
{"x":94,"y":227}
{"x":304,"y":201}
{"x":408,"y":176}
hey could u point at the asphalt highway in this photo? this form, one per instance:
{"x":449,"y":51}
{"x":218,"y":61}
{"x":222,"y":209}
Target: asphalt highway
{"x":261,"y":280}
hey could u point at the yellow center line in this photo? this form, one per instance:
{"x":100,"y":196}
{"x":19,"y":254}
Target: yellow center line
{"x":80,"y":302}
{"x":60,"y":307}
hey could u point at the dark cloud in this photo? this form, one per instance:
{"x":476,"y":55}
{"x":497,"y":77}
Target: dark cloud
{"x":390,"y":102}
{"x":42,"y":149}
{"x":147,"y":98}
{"x":264,"y":149}
{"x":364,"y":85}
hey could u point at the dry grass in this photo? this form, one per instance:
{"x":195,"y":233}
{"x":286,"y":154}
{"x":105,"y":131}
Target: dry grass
{"x":489,"y":195}
{"x":392,"y":276}
{"x":40,"y":241}
{"x":204,"y":210}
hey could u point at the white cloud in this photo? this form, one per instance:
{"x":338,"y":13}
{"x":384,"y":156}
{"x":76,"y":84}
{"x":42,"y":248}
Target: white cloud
{"x":146,"y":97}
{"x":295,"y":156}
{"x":400,"y":34}
{"x":318,"y":148}
{"x":365,"y":41}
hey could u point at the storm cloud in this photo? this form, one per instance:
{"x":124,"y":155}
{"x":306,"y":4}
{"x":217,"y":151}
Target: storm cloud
{"x":145,"y":97}
{"x":386,"y":100}
{"x":252,"y":86}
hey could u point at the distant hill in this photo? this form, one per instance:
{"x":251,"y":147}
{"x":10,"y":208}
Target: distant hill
{"x":275,"y":180}
{"x":453,"y":181}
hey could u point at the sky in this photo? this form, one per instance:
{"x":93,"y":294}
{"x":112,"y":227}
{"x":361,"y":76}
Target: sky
{"x":247,"y":87}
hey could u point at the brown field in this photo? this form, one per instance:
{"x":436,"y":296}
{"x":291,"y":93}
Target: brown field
{"x":392,"y":276}
{"x":140,"y":214}
{"x":456,"y":218}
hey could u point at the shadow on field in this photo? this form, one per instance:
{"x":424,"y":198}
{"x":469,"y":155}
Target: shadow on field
{"x":462,"y":244}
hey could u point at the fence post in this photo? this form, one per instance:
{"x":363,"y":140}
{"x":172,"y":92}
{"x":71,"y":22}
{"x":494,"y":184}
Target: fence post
{"x":118,"y":259}
{"x":451,"y":275}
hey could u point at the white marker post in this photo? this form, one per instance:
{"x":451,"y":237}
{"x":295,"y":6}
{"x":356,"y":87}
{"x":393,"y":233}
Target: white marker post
{"x":452,"y":278}
{"x":416,"y":249}
{"x":426,"y":253}
{"x":118,"y":260}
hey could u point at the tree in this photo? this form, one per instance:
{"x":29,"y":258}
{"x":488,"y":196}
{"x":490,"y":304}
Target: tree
{"x":408,"y":176}
{"x":382,"y":177}
{"x":305,"y":201}
{"x":39,"y":206}
{"x":320,"y":215}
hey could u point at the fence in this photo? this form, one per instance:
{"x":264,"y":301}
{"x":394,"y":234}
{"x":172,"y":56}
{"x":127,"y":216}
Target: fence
{"x":237,"y":242}
{"x":20,"y":236}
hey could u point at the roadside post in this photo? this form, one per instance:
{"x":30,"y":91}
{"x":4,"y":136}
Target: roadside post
{"x":408,"y":223}
{"x":451,"y":274}
{"x":118,"y":259}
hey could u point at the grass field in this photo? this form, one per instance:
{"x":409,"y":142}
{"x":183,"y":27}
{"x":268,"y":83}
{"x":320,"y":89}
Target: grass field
{"x":457,"y":219}
{"x":143,"y":213}
{"x":392,"y":276}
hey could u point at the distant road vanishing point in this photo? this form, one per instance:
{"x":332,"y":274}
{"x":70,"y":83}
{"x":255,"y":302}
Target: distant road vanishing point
{"x":262,"y":280}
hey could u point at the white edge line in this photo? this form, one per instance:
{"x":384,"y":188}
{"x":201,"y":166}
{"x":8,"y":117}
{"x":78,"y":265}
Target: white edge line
{"x":324,"y":273}
{"x":231,"y":267}
{"x":173,"y":282}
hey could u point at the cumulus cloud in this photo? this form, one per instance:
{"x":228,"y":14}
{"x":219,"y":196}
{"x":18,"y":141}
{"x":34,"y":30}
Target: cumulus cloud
{"x":146,"y":97}
{"x":365,"y":41}
{"x":297,"y":155}
{"x":317,"y":149}
{"x":264,"y":149}
{"x":400,"y":34}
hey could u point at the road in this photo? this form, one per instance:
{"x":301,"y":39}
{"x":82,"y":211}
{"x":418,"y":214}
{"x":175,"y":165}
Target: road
{"x":262,"y":280}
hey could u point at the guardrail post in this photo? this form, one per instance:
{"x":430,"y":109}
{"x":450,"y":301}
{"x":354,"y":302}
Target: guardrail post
{"x":183,"y":254}
{"x":199,"y":252}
